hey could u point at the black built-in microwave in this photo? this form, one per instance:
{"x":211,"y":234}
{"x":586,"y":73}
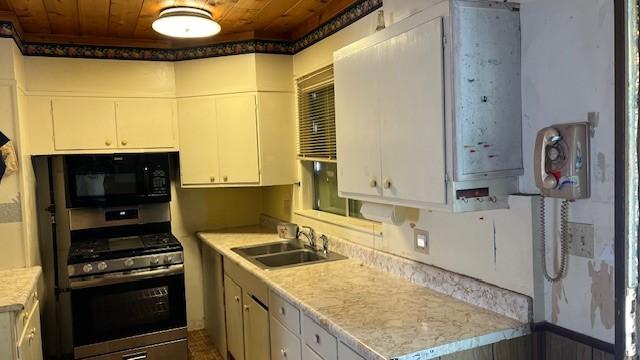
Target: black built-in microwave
{"x":116,"y":179}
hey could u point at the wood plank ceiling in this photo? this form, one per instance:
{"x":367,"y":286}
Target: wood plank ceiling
{"x":128,"y":22}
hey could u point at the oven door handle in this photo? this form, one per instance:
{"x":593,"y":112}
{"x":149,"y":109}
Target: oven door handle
{"x":137,"y":356}
{"x":119,"y":278}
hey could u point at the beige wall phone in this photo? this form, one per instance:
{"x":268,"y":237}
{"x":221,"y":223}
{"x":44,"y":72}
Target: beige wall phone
{"x":561,"y":170}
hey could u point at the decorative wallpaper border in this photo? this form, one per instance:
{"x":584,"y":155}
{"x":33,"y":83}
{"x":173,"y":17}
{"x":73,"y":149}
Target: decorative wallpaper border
{"x":347,"y":17}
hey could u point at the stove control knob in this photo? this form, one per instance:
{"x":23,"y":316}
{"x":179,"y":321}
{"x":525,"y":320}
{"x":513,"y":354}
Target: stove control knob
{"x":168,"y":259}
{"x":154,"y":261}
{"x":128,"y":262}
{"x":102,"y":266}
{"x":87,"y":268}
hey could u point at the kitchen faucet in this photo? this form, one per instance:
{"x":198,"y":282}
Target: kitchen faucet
{"x":311,"y":236}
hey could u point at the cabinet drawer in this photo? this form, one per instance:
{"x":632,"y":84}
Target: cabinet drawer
{"x":284,"y":344}
{"x":30,"y":343}
{"x":286,"y":313}
{"x":23,"y":316}
{"x":308,"y":354}
{"x":165,"y":351}
{"x":345,"y":353}
{"x":319,"y":339}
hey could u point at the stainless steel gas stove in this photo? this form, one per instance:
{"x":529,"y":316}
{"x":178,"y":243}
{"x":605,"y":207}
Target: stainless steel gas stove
{"x":125,"y":284}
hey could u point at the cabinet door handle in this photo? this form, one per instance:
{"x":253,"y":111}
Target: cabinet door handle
{"x":283,"y":352}
{"x":225,"y":178}
{"x":246,"y":308}
{"x":107,"y":142}
{"x":373,"y":182}
{"x":32,"y":334}
{"x":213,"y":179}
{"x":316,"y":337}
{"x":236,"y":298}
{"x":387,"y":183}
{"x":124,"y":142}
{"x":282,"y":311}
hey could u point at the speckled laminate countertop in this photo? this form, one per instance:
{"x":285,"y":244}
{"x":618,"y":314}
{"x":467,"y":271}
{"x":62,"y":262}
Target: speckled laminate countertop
{"x":15,"y":287}
{"x":379,"y":315}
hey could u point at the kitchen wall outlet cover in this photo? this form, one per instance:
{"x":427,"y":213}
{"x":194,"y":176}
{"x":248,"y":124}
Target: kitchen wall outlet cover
{"x":421,"y":240}
{"x":580,"y":238}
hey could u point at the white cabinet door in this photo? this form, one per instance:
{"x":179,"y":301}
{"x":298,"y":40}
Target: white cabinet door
{"x":146,"y":123}
{"x":412,"y":115}
{"x":238,"y":138}
{"x":198,"y":141}
{"x":235,"y":323}
{"x":256,"y":329}
{"x":358,"y":123}
{"x":84,"y":123}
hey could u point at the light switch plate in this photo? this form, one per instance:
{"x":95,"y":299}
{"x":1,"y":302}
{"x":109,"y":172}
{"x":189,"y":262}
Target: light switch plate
{"x":580,"y":238}
{"x":421,"y":240}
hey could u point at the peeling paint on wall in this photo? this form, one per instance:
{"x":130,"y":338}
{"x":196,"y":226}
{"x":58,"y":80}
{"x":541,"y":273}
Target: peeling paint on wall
{"x":601,"y":293}
{"x":601,"y":168}
{"x":11,"y":212}
{"x":557,"y":294}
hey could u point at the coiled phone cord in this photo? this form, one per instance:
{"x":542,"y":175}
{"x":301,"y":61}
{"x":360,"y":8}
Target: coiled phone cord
{"x":564,"y":241}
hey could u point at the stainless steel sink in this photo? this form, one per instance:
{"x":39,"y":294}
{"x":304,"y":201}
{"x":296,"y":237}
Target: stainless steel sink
{"x":284,"y":254}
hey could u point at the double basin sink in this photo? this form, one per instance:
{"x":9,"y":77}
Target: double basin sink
{"x":284,"y":254}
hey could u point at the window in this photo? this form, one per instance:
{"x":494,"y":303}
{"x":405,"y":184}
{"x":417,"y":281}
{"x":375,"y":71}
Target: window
{"x":317,"y":142}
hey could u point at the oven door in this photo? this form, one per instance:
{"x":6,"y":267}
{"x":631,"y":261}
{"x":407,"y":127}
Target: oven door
{"x":118,"y":316}
{"x":116,"y":180}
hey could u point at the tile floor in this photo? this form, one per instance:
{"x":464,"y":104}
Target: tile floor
{"x":201,"y":348}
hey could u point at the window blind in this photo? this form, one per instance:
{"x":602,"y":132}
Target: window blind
{"x":316,"y":116}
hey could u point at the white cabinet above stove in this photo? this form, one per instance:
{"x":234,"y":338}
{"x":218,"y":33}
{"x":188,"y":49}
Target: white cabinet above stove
{"x":428,"y":111}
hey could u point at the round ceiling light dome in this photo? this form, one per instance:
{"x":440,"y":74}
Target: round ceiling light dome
{"x":186,"y":22}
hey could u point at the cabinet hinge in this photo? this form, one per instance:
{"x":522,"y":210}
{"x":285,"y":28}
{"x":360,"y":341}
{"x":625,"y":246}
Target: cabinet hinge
{"x":444,"y":40}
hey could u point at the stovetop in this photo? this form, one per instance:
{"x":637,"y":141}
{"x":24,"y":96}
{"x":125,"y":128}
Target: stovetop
{"x":87,"y":250}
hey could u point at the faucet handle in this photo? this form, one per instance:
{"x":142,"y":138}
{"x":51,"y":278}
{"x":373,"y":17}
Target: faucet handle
{"x":325,"y":244}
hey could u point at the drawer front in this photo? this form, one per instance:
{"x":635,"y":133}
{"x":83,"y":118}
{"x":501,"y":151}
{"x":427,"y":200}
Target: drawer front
{"x":165,"y":351}
{"x":319,"y":339}
{"x":285,"y":312}
{"x":284,"y":344}
{"x":22,"y":317}
{"x":345,"y":353}
{"x":308,"y":354}
{"x":30,"y":343}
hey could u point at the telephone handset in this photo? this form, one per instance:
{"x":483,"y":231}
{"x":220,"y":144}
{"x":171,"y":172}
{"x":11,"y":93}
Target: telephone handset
{"x":561,"y":170}
{"x":562,"y":161}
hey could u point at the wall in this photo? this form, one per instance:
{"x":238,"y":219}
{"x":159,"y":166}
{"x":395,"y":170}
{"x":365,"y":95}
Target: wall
{"x":567,"y":66}
{"x":568,"y":70}
{"x":12,"y":228}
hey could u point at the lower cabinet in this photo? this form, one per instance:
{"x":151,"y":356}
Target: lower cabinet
{"x":20,"y":333}
{"x":247,"y":316}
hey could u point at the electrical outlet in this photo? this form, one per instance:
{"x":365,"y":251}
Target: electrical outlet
{"x":580,"y":239}
{"x":421,"y":240}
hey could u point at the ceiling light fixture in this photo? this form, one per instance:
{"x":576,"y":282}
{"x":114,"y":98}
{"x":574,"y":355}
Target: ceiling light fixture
{"x":186,"y":22}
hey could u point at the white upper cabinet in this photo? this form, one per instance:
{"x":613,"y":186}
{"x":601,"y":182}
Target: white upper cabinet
{"x":245,"y":139}
{"x":84,"y":123}
{"x":357,"y":140}
{"x":238,"y":138}
{"x":146,"y":123}
{"x":113,"y":124}
{"x":412,"y":121}
{"x":406,"y":135}
{"x":198,"y":130}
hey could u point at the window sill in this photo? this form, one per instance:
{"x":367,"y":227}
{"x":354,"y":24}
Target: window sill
{"x":365,"y":226}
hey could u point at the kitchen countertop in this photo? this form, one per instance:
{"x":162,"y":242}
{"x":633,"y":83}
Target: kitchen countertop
{"x":15,"y":287}
{"x":379,"y":315}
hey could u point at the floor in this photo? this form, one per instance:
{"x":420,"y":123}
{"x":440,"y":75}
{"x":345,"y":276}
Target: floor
{"x":201,"y":348}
